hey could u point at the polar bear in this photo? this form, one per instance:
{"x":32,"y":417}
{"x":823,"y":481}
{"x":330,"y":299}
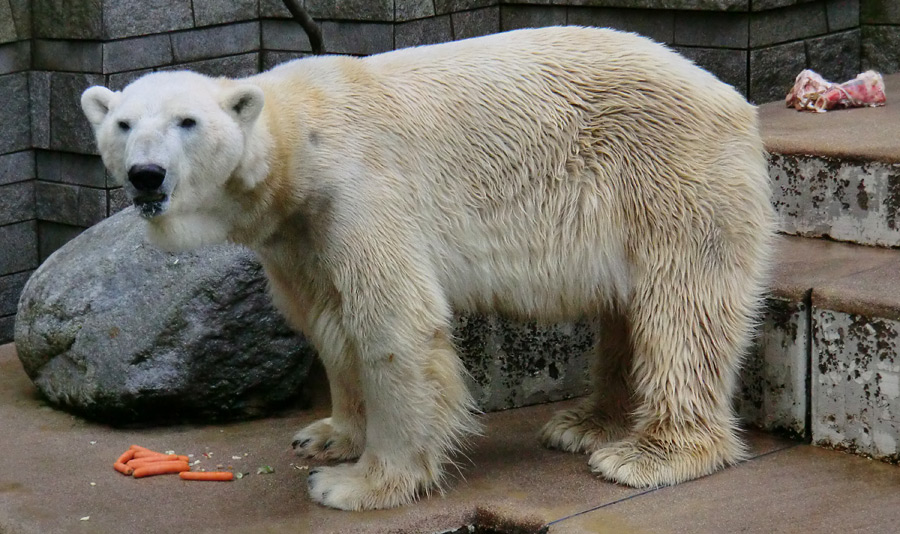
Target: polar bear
{"x":548,"y":173}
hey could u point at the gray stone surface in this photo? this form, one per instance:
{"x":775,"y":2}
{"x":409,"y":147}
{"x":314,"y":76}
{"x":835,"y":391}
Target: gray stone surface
{"x":856,"y":383}
{"x":137,"y":53}
{"x":117,"y":330}
{"x":773,"y":70}
{"x":725,"y":30}
{"x":70,"y":168}
{"x":842,"y":14}
{"x":15,"y":133}
{"x":39,"y":88}
{"x":836,"y":56}
{"x":7,"y":325}
{"x":513,"y":17}
{"x":284,"y":35}
{"x":118,"y":200}
{"x":412,"y":9}
{"x":475,"y":23}
{"x":366,"y":10}
{"x":782,"y":25}
{"x":442,"y":7}
{"x":15,"y":57}
{"x":131,"y":18}
{"x":68,"y":55}
{"x":231,"y":66}
{"x":765,"y":5}
{"x":70,"y":130}
{"x":16,"y":203}
{"x":773,"y":390}
{"x":65,"y":19}
{"x":19,"y":245}
{"x":705,"y":5}
{"x":879,"y":12}
{"x":21,"y":12}
{"x":16,"y":167}
{"x":208,"y":12}
{"x":219,"y":41}
{"x":845,"y":200}
{"x":517,"y":364}
{"x":881,"y":48}
{"x":422,"y":32}
{"x":70,"y":204}
{"x":728,"y":65}
{"x":119,"y":80}
{"x":359,"y":38}
{"x":52,"y":236}
{"x":657,"y":25}
{"x":273,"y":58}
{"x":10,"y":288}
{"x":273,"y":9}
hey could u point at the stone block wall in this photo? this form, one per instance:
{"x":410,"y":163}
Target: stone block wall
{"x":53,"y":185}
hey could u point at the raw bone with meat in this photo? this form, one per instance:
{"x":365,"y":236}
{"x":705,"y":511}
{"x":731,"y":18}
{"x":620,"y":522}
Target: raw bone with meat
{"x":814,"y":93}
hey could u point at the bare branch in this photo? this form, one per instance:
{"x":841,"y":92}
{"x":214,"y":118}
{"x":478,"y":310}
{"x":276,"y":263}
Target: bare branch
{"x":313,"y":31}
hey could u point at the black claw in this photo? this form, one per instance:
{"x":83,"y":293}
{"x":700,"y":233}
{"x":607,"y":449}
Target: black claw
{"x":313,"y":472}
{"x":328,"y":444}
{"x":302,"y":444}
{"x":295,"y":443}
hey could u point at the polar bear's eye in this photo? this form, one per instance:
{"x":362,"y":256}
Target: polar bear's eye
{"x":124,"y":126}
{"x":187,"y":123}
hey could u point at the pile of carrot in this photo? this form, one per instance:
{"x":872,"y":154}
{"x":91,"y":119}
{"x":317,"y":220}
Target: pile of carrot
{"x":142,"y":462}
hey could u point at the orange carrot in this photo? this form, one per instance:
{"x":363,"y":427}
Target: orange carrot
{"x":161,"y":468}
{"x":139,"y":448}
{"x":148,"y":454}
{"x":122,"y":468}
{"x":206,"y":475}
{"x":126,"y":456}
{"x":141,"y":462}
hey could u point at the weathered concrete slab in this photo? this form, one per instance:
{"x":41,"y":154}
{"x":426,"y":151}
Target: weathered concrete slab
{"x":856,"y":383}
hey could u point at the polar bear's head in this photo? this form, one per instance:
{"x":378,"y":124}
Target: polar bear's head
{"x":173,"y":140}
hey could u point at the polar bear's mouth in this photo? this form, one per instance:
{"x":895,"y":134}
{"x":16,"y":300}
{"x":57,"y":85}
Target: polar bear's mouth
{"x":151,"y":205}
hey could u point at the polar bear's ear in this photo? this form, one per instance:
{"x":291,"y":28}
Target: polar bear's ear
{"x":244,"y":103}
{"x":96,"y":102}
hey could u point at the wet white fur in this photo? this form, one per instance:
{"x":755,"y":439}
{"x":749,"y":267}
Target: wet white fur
{"x":547,"y":174}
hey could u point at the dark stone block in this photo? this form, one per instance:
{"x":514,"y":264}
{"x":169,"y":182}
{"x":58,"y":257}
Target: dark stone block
{"x":19,"y":245}
{"x":70,"y":55}
{"x":835,"y":57}
{"x":10,"y":289}
{"x":16,"y":167}
{"x":70,"y":204}
{"x":130,"y":18}
{"x":725,"y":30}
{"x":442,"y":7}
{"x":7,"y":325}
{"x":15,"y":134}
{"x":65,"y":19}
{"x":657,"y":25}
{"x":15,"y":57}
{"x":69,"y":168}
{"x":881,"y":48}
{"x":119,"y":80}
{"x":207,"y":12}
{"x":703,"y":5}
{"x":359,"y":38}
{"x":21,"y":12}
{"x":39,"y":85}
{"x":422,"y":32}
{"x":842,"y":14}
{"x":273,"y":9}
{"x":232,"y":66}
{"x":356,"y":10}
{"x":137,"y":53}
{"x":412,"y":9}
{"x":16,"y":202}
{"x":284,"y":35}
{"x":220,"y":41}
{"x":788,"y":24}
{"x":773,"y":70}
{"x":271,"y":59}
{"x":475,"y":23}
{"x":766,"y":5}
{"x":879,"y":12}
{"x":730,"y":66}
{"x":55,"y":235}
{"x":515,"y":17}
{"x":118,"y":200}
{"x":70,"y":130}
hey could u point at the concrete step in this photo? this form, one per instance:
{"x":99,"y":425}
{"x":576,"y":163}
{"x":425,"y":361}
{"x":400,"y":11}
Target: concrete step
{"x":826,"y":365}
{"x":837,"y":174}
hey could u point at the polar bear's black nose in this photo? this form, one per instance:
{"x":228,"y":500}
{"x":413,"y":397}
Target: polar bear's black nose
{"x":146,"y":178}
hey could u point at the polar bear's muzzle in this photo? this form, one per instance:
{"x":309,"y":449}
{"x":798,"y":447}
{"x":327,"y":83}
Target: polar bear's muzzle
{"x":147,"y":181}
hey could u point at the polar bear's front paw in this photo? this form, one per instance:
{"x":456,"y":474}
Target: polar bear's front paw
{"x":580,"y":430}
{"x":323,"y":441}
{"x":642,"y":463}
{"x":365,"y":485}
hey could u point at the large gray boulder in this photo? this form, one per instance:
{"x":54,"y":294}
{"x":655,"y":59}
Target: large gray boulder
{"x":118,"y":331}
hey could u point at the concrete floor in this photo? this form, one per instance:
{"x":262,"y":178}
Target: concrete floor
{"x":56,"y":468}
